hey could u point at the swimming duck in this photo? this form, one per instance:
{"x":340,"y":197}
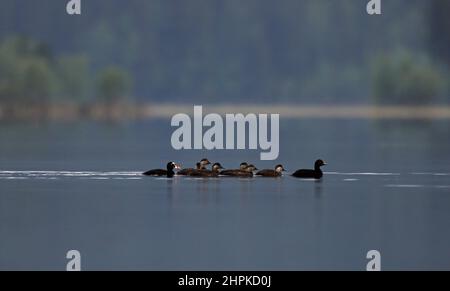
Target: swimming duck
{"x":251,"y":168}
{"x":311,"y":174}
{"x":188,"y":171}
{"x":278,"y":172}
{"x":169,"y":172}
{"x":205,"y":162}
{"x":199,"y":166}
{"x":244,"y":171}
{"x":208,"y":173}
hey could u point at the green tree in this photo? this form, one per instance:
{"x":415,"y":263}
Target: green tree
{"x":73,"y":78}
{"x":114,"y":84}
{"x":404,"y":78}
{"x":26,"y":75}
{"x":7,"y":75}
{"x":38,"y":82}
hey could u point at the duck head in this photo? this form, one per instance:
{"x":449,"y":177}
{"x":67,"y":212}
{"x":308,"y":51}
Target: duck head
{"x":280,"y":168}
{"x":243,"y":166}
{"x":216,"y":167}
{"x":173,"y":166}
{"x":318,"y":164}
{"x":251,"y":168}
{"x":205,"y":162}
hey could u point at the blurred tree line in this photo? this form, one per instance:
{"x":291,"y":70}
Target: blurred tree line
{"x":309,"y":51}
{"x":30,"y":74}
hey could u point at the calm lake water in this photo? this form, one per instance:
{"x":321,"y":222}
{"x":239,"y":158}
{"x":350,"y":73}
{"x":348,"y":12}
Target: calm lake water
{"x":78,"y":186}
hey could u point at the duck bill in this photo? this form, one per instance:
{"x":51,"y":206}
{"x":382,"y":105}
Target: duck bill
{"x":177,"y":167}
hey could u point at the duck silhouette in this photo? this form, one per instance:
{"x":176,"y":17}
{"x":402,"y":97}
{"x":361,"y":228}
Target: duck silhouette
{"x":311,"y":174}
{"x":169,"y":172}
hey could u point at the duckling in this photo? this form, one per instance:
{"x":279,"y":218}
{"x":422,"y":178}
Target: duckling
{"x":251,"y":168}
{"x":208,"y":173}
{"x":234,"y":172}
{"x":311,"y":174}
{"x":169,"y":172}
{"x":245,"y":173}
{"x":278,"y":172}
{"x":205,"y":162}
{"x":188,"y":171}
{"x":199,"y":166}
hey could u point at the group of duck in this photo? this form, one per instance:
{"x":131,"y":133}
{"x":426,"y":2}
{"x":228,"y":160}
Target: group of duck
{"x":245,"y":171}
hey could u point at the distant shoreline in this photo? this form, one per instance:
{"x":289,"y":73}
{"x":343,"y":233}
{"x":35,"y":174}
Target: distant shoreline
{"x":117,"y":112}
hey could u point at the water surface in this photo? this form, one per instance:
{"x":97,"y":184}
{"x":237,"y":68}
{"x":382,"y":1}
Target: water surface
{"x":78,"y":186}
